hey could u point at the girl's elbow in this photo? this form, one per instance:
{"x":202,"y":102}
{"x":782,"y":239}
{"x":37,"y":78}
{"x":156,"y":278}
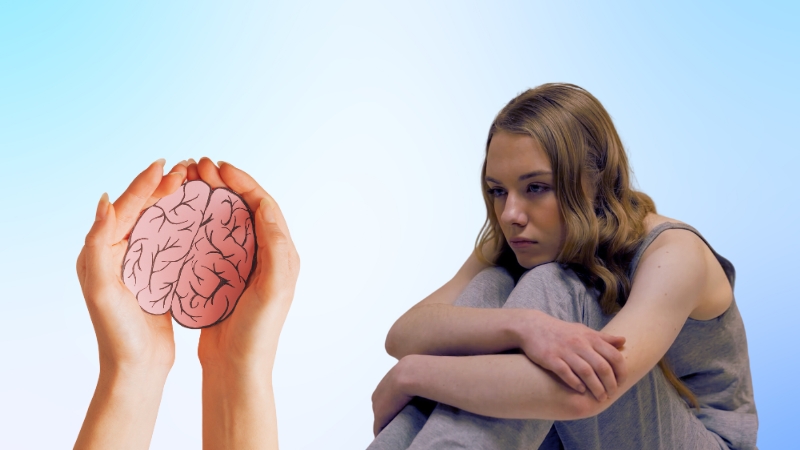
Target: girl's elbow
{"x":573,"y":406}
{"x":582,"y":406}
{"x":393,"y":344}
{"x":390,"y":345}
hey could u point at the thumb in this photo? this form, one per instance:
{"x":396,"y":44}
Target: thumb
{"x":98,"y":244}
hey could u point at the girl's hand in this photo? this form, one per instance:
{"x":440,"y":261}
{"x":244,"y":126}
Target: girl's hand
{"x":248,"y":339}
{"x":579,"y":355}
{"x":127,"y":337}
{"x":388,"y":399}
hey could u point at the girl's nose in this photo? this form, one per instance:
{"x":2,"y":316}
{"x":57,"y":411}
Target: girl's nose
{"x":513,"y":212}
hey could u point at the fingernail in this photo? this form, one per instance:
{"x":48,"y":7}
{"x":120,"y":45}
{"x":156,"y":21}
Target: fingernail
{"x":102,"y":208}
{"x":184,"y":163}
{"x":161,"y":162}
{"x":269,"y":214}
{"x":220,"y":163}
{"x":192,"y":161}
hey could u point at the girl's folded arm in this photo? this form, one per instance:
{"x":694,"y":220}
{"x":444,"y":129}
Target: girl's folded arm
{"x":435,"y":327}
{"x":669,"y":284}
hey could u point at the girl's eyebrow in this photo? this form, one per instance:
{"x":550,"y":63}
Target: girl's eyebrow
{"x":534,"y":174}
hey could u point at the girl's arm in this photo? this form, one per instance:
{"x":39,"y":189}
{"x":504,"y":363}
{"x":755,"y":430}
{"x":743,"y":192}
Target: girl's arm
{"x":669,"y":285}
{"x":238,"y":354}
{"x":435,"y":327}
{"x":136,"y":349}
{"x":583,"y":358}
{"x":123,"y":410}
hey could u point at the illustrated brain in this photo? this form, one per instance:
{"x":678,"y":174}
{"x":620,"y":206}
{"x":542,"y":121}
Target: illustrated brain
{"x":191,"y":253}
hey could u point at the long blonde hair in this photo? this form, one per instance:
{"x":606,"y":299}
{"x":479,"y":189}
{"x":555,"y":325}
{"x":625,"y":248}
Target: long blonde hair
{"x":604,"y":220}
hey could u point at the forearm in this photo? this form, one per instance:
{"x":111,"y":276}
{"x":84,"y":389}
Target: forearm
{"x":122,"y":413}
{"x":441,"y":329}
{"x":239,"y":409}
{"x":501,"y":386}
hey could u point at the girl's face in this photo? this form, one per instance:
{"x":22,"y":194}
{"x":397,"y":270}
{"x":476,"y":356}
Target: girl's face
{"x":520,"y":180}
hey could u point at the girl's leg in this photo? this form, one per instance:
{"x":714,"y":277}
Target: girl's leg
{"x":489,"y":289}
{"x":402,"y":430}
{"x":651,"y":415}
{"x":449,"y":427}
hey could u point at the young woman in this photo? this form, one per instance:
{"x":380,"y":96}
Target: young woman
{"x":137,"y":349}
{"x":569,"y":248}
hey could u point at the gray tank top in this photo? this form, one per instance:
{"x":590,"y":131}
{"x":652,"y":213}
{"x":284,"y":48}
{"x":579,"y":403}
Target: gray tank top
{"x":710,"y":357}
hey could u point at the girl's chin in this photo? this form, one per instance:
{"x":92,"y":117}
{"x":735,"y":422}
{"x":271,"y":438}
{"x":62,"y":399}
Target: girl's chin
{"x":529,"y":263}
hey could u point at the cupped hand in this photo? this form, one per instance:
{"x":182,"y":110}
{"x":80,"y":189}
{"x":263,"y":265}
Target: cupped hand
{"x":127,"y":337}
{"x":580,"y":356}
{"x":248,"y":338}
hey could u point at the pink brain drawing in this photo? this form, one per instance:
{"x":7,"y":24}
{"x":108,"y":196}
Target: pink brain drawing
{"x":191,"y":253}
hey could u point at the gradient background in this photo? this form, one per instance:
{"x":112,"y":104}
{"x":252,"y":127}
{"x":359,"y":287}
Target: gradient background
{"x":367,"y":123}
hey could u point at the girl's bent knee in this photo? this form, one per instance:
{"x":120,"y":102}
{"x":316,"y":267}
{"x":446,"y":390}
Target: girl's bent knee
{"x":552,"y":289}
{"x":489,"y":289}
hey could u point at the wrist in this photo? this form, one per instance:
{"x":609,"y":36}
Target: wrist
{"x":254,"y":354}
{"x":145,"y":362}
{"x":238,"y":367}
{"x":141,"y":375}
{"x":239,"y":374}
{"x":518,"y":325}
{"x":408,"y":374}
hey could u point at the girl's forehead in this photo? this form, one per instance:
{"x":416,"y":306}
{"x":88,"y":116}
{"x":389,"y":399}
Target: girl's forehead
{"x":511,"y":155}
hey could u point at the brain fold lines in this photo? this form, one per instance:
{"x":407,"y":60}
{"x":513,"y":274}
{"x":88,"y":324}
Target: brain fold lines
{"x":191,"y":253}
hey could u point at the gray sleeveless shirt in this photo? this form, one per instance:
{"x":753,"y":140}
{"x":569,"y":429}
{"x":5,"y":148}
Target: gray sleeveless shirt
{"x":710,"y":357}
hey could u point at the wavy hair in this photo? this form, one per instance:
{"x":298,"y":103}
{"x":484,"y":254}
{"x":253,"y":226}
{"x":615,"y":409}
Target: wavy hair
{"x":602,"y":213}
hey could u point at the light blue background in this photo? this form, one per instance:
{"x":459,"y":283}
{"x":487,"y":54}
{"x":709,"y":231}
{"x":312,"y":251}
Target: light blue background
{"x":367,"y":123}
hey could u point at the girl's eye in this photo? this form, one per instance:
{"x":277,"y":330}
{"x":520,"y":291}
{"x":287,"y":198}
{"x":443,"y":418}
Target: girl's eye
{"x":537,"y":188}
{"x":496,"y":192}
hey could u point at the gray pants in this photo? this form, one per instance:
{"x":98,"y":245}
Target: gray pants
{"x":651,"y":415}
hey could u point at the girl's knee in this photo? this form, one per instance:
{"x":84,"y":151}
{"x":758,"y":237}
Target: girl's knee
{"x":552,"y":289}
{"x":489,"y":289}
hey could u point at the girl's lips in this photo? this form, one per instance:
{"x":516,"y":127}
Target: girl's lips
{"x":521,"y":243}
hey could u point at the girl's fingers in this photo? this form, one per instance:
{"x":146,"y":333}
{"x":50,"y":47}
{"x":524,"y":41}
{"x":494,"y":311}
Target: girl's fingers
{"x":251,"y":191}
{"x":566,"y":374}
{"x":140,"y":192}
{"x":615,"y":360}
{"x":276,"y":253}
{"x":616,"y":341}
{"x":97,"y":250}
{"x":586,"y":373}
{"x":191,"y":170}
{"x":170,"y":182}
{"x":180,"y":167}
{"x":602,"y":370}
{"x":210,"y":173}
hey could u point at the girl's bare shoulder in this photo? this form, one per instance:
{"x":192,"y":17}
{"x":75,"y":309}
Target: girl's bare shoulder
{"x":718,"y":292}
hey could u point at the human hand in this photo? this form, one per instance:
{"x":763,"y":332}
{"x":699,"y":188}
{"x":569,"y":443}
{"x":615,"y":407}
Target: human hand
{"x":580,"y":356}
{"x":248,"y":339}
{"x":389,"y":398}
{"x":127,"y":337}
